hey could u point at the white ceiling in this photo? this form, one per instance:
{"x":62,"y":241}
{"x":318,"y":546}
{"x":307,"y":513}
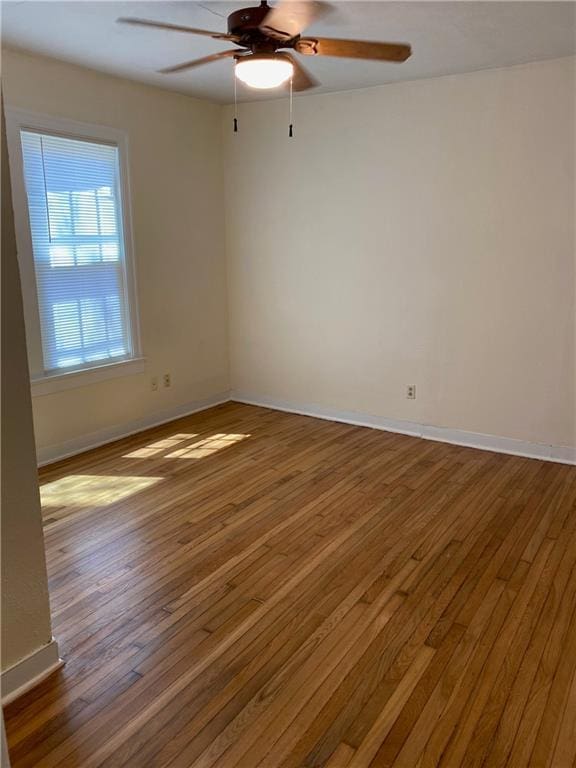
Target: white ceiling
{"x":446,"y":37}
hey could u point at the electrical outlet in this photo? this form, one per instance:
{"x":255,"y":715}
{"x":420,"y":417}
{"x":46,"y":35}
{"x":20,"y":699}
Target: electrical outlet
{"x":411,"y":391}
{"x":167,"y":380}
{"x":154,"y":383}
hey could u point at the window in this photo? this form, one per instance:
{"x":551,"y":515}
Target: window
{"x":79,"y":295}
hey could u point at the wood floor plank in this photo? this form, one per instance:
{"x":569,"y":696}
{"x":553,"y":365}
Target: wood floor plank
{"x":243,"y":588}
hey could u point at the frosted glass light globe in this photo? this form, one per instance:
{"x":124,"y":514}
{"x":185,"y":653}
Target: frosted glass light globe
{"x":263,"y":71}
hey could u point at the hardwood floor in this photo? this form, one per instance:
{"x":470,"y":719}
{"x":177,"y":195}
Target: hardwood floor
{"x":246,"y":588}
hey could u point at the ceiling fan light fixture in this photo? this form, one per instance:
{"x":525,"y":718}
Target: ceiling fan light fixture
{"x":264,"y":70}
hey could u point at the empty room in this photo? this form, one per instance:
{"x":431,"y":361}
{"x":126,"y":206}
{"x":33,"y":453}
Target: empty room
{"x":288,"y":384}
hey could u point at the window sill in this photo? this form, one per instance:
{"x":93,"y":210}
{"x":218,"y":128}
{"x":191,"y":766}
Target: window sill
{"x":47,"y":385}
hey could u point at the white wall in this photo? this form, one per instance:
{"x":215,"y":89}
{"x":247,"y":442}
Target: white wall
{"x":177,"y":206}
{"x":416,"y":233}
{"x":24,"y":594}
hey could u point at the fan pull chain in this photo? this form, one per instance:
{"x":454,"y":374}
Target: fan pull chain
{"x":291,"y":126}
{"x":235,"y":102}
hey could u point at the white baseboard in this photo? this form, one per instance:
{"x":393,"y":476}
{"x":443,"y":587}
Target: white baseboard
{"x":30,"y":671}
{"x":556,"y":453}
{"x":559,"y":454}
{"x":52,"y":453}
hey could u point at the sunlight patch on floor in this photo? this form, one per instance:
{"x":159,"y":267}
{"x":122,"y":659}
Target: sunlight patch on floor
{"x":158,"y":447}
{"x":92,"y":490}
{"x":206,"y":447}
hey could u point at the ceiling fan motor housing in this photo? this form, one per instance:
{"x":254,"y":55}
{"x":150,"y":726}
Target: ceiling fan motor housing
{"x":247,"y":20}
{"x":245,"y":25}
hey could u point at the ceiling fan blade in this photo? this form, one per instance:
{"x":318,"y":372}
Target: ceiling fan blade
{"x":200,"y":62}
{"x":302,"y":80}
{"x":290,"y":17}
{"x":352,"y":49}
{"x":174,"y":28}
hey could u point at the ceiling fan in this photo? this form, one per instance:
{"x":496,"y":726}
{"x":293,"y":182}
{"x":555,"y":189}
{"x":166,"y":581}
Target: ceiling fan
{"x":262,"y":32}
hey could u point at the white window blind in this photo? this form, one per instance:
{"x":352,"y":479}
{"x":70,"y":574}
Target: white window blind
{"x":75,"y":210}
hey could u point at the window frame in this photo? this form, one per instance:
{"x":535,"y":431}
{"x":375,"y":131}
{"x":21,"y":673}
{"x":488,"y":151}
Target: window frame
{"x":43,"y":383}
